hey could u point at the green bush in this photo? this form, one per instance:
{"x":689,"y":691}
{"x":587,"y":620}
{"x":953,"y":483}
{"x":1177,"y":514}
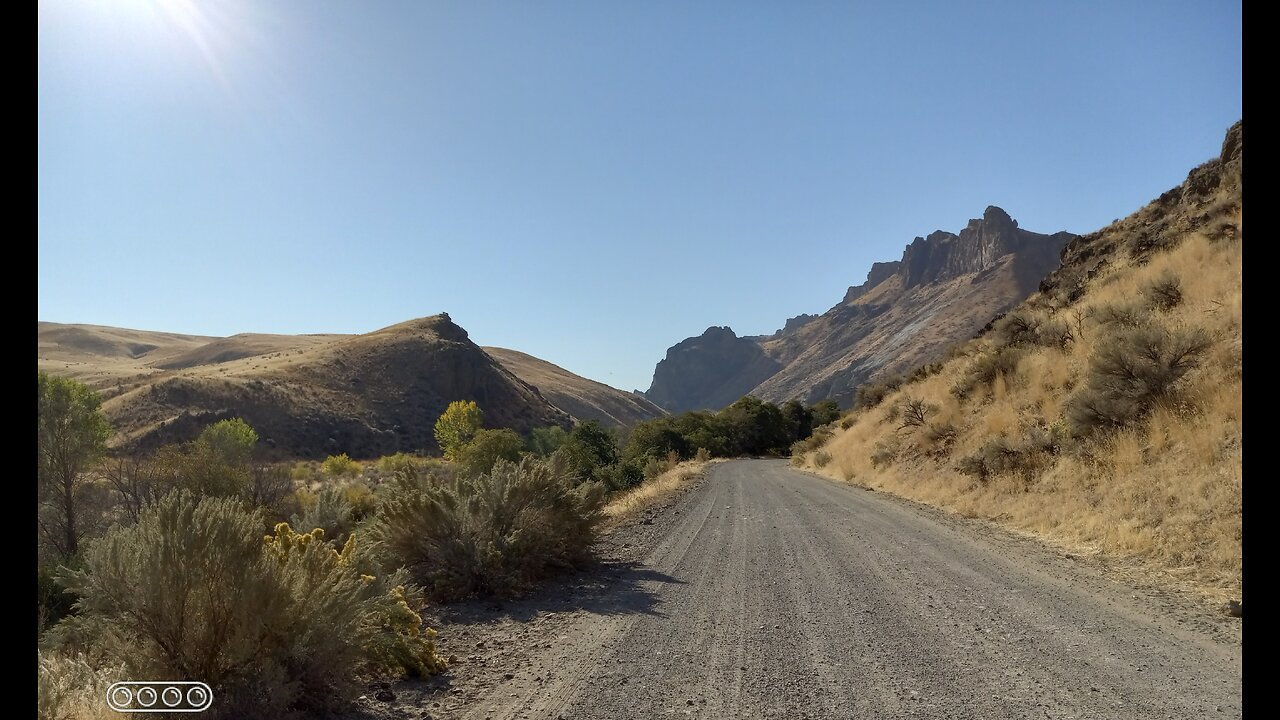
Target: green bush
{"x":494,"y":534}
{"x":340,"y":466}
{"x":545,"y":440}
{"x":486,"y":448}
{"x":1132,"y":370}
{"x":229,"y":442}
{"x":281,"y":627}
{"x":825,"y":412}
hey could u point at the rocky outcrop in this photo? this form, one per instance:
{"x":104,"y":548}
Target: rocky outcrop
{"x":880,"y":272}
{"x":1204,"y":202}
{"x":945,"y":288}
{"x":709,"y":371}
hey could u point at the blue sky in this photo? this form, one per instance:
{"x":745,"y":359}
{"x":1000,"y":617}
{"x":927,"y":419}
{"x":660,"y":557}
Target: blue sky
{"x":589,"y":182}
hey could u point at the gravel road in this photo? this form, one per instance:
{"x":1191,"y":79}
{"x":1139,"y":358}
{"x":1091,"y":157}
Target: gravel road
{"x":767,"y":592}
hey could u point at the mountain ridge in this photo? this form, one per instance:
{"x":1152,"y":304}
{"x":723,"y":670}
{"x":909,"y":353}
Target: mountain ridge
{"x":944,"y":288}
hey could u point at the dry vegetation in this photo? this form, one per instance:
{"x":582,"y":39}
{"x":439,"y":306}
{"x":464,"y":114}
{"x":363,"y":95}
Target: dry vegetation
{"x":630,"y":502}
{"x":1105,"y":415}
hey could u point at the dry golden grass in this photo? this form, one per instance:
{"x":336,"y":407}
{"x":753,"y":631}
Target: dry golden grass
{"x":1163,"y":494}
{"x":73,"y":689}
{"x":636,"y":499}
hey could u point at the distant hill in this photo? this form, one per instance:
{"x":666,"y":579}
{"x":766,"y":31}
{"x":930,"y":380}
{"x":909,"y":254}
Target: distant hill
{"x":582,"y":398}
{"x":945,"y":288}
{"x":307,"y":395}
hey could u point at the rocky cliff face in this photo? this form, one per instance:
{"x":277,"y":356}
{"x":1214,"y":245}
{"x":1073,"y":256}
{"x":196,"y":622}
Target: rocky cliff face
{"x":945,"y":288}
{"x":709,"y":371}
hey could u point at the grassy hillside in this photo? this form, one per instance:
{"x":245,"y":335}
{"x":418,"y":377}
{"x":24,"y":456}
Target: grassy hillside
{"x":308,"y":395}
{"x":1105,"y":412}
{"x":582,"y":398}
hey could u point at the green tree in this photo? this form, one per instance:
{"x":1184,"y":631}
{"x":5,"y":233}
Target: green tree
{"x":230,"y":442}
{"x":72,"y":436}
{"x":588,"y":450}
{"x":545,"y":440}
{"x":799,"y":419}
{"x":487,"y":448}
{"x":455,"y":428}
{"x":758,"y":427}
{"x":825,"y":412}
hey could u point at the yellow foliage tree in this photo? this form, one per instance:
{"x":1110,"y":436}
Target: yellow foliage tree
{"x":457,"y":426}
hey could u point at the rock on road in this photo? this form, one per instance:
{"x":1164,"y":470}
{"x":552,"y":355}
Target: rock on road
{"x":768,"y":592}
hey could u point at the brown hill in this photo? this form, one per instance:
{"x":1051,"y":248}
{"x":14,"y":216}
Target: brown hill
{"x":943,"y":290}
{"x":308,"y":396}
{"x":1105,"y":412}
{"x":582,"y":398}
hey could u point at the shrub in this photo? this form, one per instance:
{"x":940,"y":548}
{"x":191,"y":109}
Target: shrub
{"x":883,"y":453}
{"x":1164,"y":293}
{"x":545,"y":440}
{"x":703,"y":455}
{"x":1122,"y":315}
{"x":825,"y":412}
{"x":1017,"y":328}
{"x":340,"y":466}
{"x":192,"y":591}
{"x":1055,"y":334}
{"x":493,"y":534}
{"x":986,"y":368}
{"x":924,"y":372}
{"x":847,"y":422}
{"x":486,"y":448}
{"x":1025,"y":459}
{"x":54,"y":603}
{"x":914,"y":412}
{"x":821,"y":458}
{"x":872,"y":394}
{"x":330,"y":511}
{"x":270,"y":487}
{"x":73,"y":688}
{"x":229,"y":442}
{"x":941,"y":435}
{"x":819,"y":438}
{"x":401,"y":463}
{"x":1130,"y":372}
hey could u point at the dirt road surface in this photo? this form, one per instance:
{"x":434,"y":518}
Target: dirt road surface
{"x":764,"y":592}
